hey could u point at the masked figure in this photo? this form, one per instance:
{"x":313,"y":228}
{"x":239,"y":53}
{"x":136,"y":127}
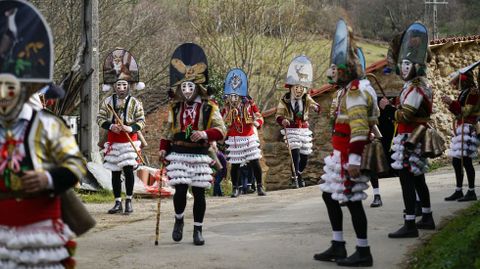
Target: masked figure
{"x":193,"y":122}
{"x":242,"y":117}
{"x":411,"y":116}
{"x":39,"y":159}
{"x":120,"y":154}
{"x":464,"y":144}
{"x":344,"y":180}
{"x":293,"y":114}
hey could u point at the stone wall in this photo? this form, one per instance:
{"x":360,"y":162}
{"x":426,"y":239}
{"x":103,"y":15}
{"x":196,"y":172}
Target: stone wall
{"x":447,"y":58}
{"x":276,"y":154}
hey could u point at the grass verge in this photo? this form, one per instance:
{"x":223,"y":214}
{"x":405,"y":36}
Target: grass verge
{"x":455,"y":246}
{"x":100,"y":196}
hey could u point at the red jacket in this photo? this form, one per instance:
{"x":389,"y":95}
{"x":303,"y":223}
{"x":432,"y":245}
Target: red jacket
{"x":240,"y":121}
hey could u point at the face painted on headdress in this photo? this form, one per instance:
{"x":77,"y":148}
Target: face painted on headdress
{"x":234,"y":100}
{"x":10,"y":96}
{"x":188,"y":90}
{"x":297,"y":91}
{"x":406,"y":69}
{"x":121,"y":89}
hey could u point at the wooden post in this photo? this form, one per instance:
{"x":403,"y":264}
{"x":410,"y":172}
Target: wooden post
{"x":89,"y":93}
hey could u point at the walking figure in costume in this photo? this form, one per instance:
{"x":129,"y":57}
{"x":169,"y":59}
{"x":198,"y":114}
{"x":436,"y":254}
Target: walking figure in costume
{"x":345,"y":181}
{"x":292,"y":115}
{"x":39,"y":160}
{"x":464,"y":144}
{"x":412,"y":116}
{"x":122,"y":116}
{"x":193,"y":122}
{"x":242,"y":116}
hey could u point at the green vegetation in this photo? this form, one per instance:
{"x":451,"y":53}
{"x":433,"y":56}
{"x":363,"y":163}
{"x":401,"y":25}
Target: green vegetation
{"x":455,"y":246}
{"x":435,"y":164}
{"x":101,"y":196}
{"x":374,"y":52}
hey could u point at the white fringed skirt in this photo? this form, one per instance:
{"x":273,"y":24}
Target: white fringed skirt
{"x":41,"y":245}
{"x":470,"y":142}
{"x":337,"y":185}
{"x":242,"y":149}
{"x":299,"y":138}
{"x":118,"y":155}
{"x":189,"y":168}
{"x":416,"y":163}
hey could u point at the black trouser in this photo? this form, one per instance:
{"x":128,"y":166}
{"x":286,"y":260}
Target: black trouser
{"x":254,"y":165}
{"x":374,"y":180}
{"x":410,"y":184}
{"x":359,"y":218}
{"x":117,"y":182}
{"x":457,"y":166}
{"x":299,"y":161}
{"x":199,"y":203}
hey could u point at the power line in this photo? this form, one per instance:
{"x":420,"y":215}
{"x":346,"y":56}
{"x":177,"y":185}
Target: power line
{"x":434,"y":4}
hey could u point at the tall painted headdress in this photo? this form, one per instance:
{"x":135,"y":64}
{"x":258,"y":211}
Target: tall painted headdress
{"x":189,"y":63}
{"x":464,"y":76}
{"x":300,"y":72}
{"x":121,"y":65}
{"x":26,"y":43}
{"x":236,"y":82}
{"x":26,"y":53}
{"x":344,"y":54}
{"x":414,"y":47}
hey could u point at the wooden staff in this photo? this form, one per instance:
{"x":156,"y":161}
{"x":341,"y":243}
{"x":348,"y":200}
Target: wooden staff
{"x":126,"y":134}
{"x":291,"y":157}
{"x":378,"y":83}
{"x":159,"y":203}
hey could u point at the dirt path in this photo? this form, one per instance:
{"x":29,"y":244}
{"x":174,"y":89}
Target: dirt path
{"x":282,"y":230}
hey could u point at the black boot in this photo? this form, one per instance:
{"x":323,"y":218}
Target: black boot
{"x":197,"y":236}
{"x":249,"y":189}
{"x":377,"y":201}
{"x":360,"y":258}
{"x":177,"y":233}
{"x":128,"y":206}
{"x":301,"y":183}
{"x":117,"y":208}
{"x":235,"y":192}
{"x":469,"y":196}
{"x":408,"y":230}
{"x":427,"y":222}
{"x":335,"y":252}
{"x":294,"y":183}
{"x":260,"y":191}
{"x":455,"y":196}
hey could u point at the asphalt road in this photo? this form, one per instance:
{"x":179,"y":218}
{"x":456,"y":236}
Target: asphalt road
{"x":281,"y":230}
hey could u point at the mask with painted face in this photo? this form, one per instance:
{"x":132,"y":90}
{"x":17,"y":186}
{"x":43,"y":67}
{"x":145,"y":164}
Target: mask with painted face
{"x":297,"y":91}
{"x":122,"y":89}
{"x":406,"y":70}
{"x":189,"y":90}
{"x":233,"y":100}
{"x":11,"y":97}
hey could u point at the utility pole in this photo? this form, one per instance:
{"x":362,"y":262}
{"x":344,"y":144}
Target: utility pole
{"x":434,"y":3}
{"x":89,"y":93}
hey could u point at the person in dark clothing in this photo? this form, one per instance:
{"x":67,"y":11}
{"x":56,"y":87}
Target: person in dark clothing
{"x":220,"y":175}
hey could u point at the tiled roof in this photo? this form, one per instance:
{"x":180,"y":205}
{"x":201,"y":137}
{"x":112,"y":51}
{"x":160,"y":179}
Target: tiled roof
{"x":455,"y":39}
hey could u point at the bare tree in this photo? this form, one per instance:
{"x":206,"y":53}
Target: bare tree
{"x":259,"y":36}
